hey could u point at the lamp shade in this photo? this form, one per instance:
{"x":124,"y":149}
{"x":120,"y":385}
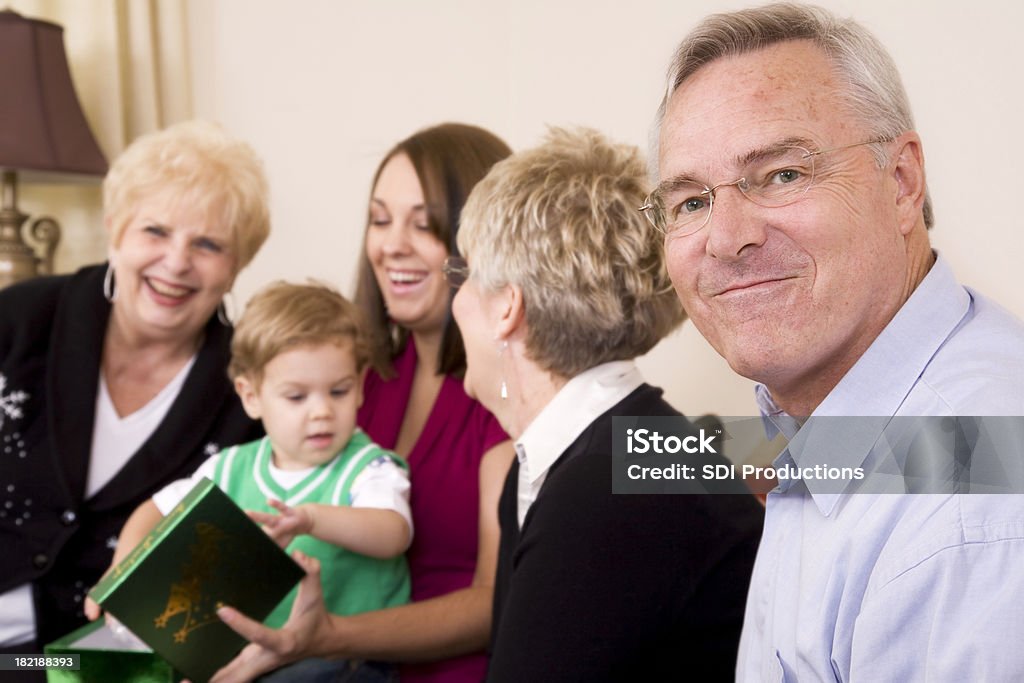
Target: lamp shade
{"x":42,"y":128}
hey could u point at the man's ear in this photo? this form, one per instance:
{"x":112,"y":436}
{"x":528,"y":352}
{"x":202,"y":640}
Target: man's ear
{"x":908,"y":172}
{"x":511,"y":310}
{"x":248,"y":392}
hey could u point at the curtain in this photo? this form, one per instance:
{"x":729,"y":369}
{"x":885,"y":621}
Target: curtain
{"x":129,"y":61}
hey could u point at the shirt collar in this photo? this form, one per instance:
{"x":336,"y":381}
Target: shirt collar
{"x":876,"y":386}
{"x":584,"y":398}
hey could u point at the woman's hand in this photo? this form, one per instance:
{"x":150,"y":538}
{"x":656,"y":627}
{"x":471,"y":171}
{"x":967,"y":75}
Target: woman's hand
{"x":269,"y":648}
{"x":284,"y":526}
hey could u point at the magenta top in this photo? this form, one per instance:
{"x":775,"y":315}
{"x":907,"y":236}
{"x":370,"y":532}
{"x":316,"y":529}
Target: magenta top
{"x":444,"y":466}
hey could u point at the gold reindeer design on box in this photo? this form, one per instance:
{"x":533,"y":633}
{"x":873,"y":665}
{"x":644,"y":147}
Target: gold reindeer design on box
{"x":187,"y":596}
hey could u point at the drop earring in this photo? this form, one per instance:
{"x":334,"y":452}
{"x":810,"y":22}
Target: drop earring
{"x":223,"y":314}
{"x":504,"y":385}
{"x":109,"y":286}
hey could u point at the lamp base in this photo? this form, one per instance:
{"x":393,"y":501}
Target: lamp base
{"x":18,"y":261}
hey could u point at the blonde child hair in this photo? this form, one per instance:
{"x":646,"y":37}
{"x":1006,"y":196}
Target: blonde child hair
{"x":283,"y":316}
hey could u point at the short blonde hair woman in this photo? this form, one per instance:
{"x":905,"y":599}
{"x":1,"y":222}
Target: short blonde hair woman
{"x":201,"y":165}
{"x":121,"y":369}
{"x":559,"y":222}
{"x":561,"y":288}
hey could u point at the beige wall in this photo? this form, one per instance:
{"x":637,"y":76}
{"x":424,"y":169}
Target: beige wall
{"x":322,"y":88}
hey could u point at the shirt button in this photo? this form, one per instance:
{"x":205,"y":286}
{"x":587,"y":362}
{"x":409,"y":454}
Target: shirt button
{"x":68,"y":517}
{"x":40,"y":560}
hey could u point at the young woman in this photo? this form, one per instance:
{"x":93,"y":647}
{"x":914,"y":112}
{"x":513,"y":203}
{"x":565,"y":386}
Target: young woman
{"x":415,"y":404}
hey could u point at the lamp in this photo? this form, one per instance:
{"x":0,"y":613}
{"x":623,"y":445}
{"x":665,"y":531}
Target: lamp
{"x":43,"y":136}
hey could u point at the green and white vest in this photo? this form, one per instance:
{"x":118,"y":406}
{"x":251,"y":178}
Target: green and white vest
{"x":352,"y":583}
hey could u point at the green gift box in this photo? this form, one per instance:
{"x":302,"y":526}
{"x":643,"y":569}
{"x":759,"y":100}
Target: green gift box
{"x":205,"y":554}
{"x":103,"y":658}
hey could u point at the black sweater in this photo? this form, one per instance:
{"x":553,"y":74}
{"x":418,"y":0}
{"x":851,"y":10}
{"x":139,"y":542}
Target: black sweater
{"x":603,"y":587}
{"x":51,"y":342}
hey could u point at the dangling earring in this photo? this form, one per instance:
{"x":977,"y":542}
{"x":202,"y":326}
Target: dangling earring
{"x":109,"y":286}
{"x":504,"y":385}
{"x":222,"y":309}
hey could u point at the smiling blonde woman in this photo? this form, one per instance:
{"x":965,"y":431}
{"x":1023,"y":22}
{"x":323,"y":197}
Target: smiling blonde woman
{"x":119,"y":370}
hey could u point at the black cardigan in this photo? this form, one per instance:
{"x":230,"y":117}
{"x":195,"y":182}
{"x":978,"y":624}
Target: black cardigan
{"x":51,"y":341}
{"x":604,"y":587}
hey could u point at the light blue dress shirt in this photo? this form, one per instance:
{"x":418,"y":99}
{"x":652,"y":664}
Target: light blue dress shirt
{"x":896,"y":587}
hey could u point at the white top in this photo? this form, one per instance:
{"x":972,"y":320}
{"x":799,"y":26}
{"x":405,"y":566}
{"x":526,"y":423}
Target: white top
{"x":384,"y":486}
{"x":115,"y":440}
{"x":582,"y":400}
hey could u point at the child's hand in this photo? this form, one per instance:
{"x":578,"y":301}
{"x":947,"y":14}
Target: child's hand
{"x":286,"y":525}
{"x":94,"y":612}
{"x":92,"y":609}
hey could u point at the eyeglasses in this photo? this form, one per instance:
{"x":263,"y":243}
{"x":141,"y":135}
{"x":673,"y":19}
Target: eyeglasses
{"x":683,"y":207}
{"x":456,"y":271}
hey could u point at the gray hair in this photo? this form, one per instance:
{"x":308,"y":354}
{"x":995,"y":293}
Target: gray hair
{"x":873,"y":90}
{"x":560,"y":221}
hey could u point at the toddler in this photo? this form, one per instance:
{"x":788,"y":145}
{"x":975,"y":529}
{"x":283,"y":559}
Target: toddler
{"x":316,"y":481}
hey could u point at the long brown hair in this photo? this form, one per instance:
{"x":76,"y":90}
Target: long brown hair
{"x":449,"y":160}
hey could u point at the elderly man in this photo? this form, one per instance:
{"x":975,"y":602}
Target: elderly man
{"x":792,"y":194}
